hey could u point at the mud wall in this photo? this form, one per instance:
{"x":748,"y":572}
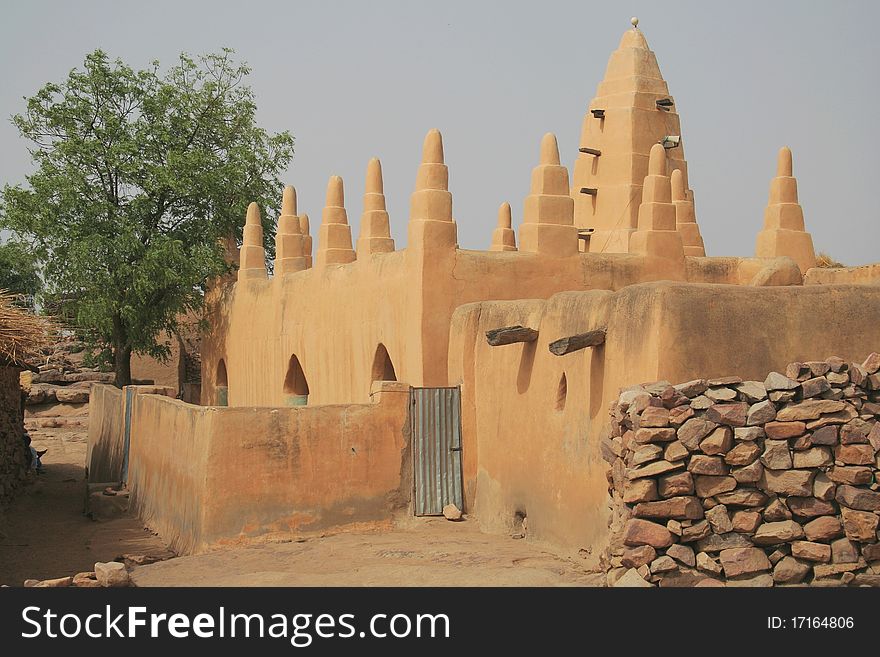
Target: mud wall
{"x":207,"y":475}
{"x":106,"y":434}
{"x":526,"y":452}
{"x":333,"y":319}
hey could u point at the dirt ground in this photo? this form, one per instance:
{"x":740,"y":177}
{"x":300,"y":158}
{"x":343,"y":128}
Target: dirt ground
{"x":45,"y":535}
{"x":424,"y":552}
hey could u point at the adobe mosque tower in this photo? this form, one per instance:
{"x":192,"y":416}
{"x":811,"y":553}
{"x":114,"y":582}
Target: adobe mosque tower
{"x":632,"y":111}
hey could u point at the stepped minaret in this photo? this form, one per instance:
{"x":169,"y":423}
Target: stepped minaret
{"x":548,"y":225}
{"x":289,"y":255}
{"x":503,"y":237}
{"x":631,"y":112}
{"x":430,"y":209}
{"x":685,"y":217}
{"x":656,"y":234}
{"x":252,"y":256}
{"x":784,"y":233}
{"x":334,"y":237}
{"x":375,"y":234}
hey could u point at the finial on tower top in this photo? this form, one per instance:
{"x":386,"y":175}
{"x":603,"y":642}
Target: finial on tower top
{"x":635,"y":22}
{"x":504,"y":218}
{"x":679,"y":193}
{"x":549,"y":149}
{"x":783,"y":163}
{"x":657,"y":161}
{"x":374,"y":177}
{"x":335,"y":197}
{"x":432,"y":150}
{"x":253,"y":215}
{"x":288,"y":201}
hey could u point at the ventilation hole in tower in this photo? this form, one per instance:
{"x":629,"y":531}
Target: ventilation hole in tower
{"x":519,"y":524}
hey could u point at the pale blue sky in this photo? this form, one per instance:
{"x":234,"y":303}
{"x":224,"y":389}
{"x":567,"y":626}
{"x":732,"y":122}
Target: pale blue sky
{"x":353,"y":80}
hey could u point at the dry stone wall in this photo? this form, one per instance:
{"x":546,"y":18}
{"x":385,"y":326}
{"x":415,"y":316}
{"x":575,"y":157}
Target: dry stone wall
{"x":13,"y":453}
{"x":748,"y":483}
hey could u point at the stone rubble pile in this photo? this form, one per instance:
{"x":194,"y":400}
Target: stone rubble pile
{"x":110,"y":574}
{"x":58,"y":395}
{"x":748,"y":483}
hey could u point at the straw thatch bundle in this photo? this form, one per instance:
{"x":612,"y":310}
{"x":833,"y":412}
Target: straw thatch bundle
{"x":827,"y":262}
{"x":23,"y":335}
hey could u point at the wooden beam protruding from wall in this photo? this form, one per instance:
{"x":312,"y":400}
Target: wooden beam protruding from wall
{"x":577,"y":342}
{"x":510,"y":334}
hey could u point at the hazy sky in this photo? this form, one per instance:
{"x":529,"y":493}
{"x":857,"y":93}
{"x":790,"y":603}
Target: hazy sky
{"x":353,"y":80}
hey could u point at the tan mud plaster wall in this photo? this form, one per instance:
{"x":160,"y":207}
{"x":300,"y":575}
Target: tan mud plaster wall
{"x":333,"y":319}
{"x":106,"y":440}
{"x":205,"y":475}
{"x":519,"y":453}
{"x":171,"y":373}
{"x":866,"y":275}
{"x":168,"y":461}
{"x":106,"y":434}
{"x":713,"y":330}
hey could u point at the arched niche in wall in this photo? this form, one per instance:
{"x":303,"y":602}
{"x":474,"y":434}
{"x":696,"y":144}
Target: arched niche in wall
{"x":383,"y":368}
{"x":296,"y":387}
{"x":222,"y":384}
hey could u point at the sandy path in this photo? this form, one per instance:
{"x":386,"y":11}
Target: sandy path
{"x":44,"y":533}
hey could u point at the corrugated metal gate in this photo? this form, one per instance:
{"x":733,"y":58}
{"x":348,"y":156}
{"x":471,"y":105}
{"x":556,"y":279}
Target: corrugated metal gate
{"x":436,"y":439}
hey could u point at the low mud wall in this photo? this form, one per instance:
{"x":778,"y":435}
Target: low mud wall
{"x":201,"y":476}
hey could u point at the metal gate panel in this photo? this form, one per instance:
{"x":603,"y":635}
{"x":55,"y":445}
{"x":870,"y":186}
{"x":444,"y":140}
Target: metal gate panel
{"x":436,"y":439}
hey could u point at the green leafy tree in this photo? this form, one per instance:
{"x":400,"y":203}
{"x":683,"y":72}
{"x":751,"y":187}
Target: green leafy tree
{"x":139,"y":175}
{"x":18,"y":270}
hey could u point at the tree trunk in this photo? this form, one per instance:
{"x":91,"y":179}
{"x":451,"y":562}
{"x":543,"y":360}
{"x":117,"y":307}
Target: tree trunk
{"x":121,"y":353}
{"x":122,"y":366}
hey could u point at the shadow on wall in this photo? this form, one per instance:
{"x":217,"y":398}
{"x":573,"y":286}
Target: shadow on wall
{"x":526,"y":363}
{"x":597,"y":380}
{"x":561,"y":393}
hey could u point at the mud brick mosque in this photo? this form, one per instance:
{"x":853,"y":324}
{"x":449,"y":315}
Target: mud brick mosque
{"x":361,"y":381}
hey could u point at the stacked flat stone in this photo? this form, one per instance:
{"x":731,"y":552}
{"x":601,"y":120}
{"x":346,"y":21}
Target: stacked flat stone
{"x":748,"y":483}
{"x":13,"y":455}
